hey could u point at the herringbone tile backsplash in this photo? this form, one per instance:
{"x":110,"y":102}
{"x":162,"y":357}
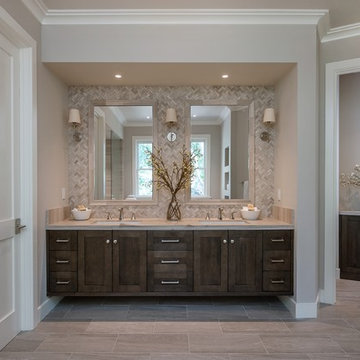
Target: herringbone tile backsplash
{"x":82,"y":97}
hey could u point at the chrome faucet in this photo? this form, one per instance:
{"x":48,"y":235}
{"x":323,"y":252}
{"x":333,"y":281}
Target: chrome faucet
{"x":233,"y":215}
{"x":121,"y":214}
{"x":221,"y":213}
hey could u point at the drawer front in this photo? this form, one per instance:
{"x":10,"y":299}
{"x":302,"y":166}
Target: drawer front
{"x":63,"y":240}
{"x":277,"y":240}
{"x":277,"y":281}
{"x":63,"y":281}
{"x":63,"y":260}
{"x":277,"y":260}
{"x":170,"y":240}
{"x":170,"y":284}
{"x":170,"y":270}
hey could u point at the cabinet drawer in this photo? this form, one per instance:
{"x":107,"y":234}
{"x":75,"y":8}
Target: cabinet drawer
{"x":63,"y":281}
{"x":170,"y":240}
{"x":171,"y":284}
{"x":277,"y":239}
{"x":277,"y":281}
{"x":277,"y":260}
{"x":63,"y":260}
{"x":62,"y":240}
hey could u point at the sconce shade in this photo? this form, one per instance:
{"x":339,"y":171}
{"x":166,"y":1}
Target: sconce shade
{"x":170,"y":116}
{"x":74,"y":117}
{"x":269,"y":116}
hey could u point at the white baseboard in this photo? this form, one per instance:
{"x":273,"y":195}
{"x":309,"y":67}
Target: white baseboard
{"x":337,"y":273}
{"x":47,"y":306}
{"x":300,"y":310}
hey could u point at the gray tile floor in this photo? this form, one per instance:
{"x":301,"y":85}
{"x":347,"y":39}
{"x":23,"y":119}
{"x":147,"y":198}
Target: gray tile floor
{"x":192,"y":329}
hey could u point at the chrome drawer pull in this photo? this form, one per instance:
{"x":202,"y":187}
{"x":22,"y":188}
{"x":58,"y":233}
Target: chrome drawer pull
{"x":63,"y":282}
{"x":62,"y":261}
{"x":177,"y":282}
{"x":170,"y":261}
{"x":275,"y":261}
{"x":277,"y":240}
{"x":277,"y":281}
{"x":62,"y":240}
{"x":170,"y":241}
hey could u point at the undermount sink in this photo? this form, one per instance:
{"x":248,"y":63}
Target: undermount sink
{"x":117,"y":222}
{"x":222,"y":222}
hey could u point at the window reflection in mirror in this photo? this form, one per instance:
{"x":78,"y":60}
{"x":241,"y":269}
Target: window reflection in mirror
{"x":122,"y":135}
{"x":221,"y":135}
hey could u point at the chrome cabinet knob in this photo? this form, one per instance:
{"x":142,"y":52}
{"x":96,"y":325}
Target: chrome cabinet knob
{"x":224,"y":241}
{"x":232,"y":241}
{"x":115,"y":242}
{"x":108,"y":241}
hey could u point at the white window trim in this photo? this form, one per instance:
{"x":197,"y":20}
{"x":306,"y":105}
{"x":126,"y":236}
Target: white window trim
{"x":135,"y":141}
{"x":207,"y":140}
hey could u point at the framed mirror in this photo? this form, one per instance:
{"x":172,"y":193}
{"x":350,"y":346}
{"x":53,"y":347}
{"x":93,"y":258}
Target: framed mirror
{"x":120,"y":134}
{"x":223,"y":134}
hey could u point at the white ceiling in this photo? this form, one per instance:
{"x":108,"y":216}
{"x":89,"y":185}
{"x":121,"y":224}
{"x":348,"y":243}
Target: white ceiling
{"x":342,"y":12}
{"x":170,"y":74}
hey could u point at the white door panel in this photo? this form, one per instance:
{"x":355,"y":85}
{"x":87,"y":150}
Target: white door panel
{"x":9,"y":190}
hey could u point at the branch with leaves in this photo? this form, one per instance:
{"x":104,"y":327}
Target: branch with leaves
{"x":179,"y":176}
{"x":352,"y":179}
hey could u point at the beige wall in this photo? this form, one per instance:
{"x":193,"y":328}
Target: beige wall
{"x":51,"y":138}
{"x":349,"y":137}
{"x":285,"y":174}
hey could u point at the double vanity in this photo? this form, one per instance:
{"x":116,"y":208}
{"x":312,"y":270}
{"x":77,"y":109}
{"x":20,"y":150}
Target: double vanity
{"x":151,"y":257}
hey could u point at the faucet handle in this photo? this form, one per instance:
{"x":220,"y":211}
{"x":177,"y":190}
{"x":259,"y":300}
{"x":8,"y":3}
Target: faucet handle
{"x":233,"y":215}
{"x":108,"y":215}
{"x":133,"y":216}
{"x":207,"y":217}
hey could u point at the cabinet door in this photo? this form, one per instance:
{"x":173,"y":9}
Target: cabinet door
{"x":210,"y":260}
{"x":245,"y":261}
{"x":129,"y":261}
{"x":95,"y":261}
{"x":349,"y":253}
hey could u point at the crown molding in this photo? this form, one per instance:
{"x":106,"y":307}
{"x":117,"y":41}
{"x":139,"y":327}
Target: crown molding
{"x":174,"y":16}
{"x":37,"y":8}
{"x":342,"y":32}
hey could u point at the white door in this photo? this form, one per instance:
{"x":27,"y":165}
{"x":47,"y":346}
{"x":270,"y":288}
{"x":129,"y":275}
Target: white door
{"x":9,"y":190}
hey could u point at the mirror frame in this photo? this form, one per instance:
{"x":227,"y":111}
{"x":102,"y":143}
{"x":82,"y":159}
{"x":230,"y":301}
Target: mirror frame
{"x":94,"y":104}
{"x":251,"y":145}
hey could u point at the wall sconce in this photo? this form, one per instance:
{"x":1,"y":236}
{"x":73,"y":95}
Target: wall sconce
{"x":170,"y":120}
{"x":75,"y":121}
{"x":269,"y":119}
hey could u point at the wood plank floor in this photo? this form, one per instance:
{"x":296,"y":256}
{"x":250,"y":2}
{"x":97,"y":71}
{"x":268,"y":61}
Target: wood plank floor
{"x":192,"y":329}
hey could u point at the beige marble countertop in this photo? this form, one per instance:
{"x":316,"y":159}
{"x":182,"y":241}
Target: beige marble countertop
{"x":162,"y":224}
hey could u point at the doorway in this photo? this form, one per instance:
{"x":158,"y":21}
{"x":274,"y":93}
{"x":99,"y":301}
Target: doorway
{"x":331,"y":188}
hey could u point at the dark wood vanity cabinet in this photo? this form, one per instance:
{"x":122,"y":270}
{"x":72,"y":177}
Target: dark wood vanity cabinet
{"x":227,"y":261}
{"x":349,"y":250}
{"x":161,"y":262}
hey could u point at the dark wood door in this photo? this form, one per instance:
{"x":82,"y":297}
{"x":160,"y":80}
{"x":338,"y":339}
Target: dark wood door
{"x":210,"y":260}
{"x":95,"y":261}
{"x":129,"y":261}
{"x":349,"y":253}
{"x":245,"y":261}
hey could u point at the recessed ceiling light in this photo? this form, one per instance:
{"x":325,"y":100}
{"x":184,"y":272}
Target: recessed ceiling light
{"x":225,"y":76}
{"x":148,"y":117}
{"x":118,"y":76}
{"x":194,"y":115}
